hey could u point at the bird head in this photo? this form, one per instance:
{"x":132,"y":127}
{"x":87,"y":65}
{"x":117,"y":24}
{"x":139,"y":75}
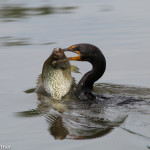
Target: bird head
{"x":86,"y":52}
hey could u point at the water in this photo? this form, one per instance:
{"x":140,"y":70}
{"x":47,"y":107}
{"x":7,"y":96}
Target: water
{"x":29,"y":32}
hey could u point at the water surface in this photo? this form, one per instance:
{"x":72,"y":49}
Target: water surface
{"x":29,"y":32}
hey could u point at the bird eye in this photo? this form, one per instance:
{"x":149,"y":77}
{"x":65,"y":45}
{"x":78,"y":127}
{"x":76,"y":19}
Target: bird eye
{"x":75,"y":48}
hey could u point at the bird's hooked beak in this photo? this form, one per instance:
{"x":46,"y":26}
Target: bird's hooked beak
{"x":71,"y":49}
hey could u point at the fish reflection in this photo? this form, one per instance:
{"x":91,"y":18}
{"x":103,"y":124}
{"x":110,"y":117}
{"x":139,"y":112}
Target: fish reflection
{"x":72,"y":119}
{"x":60,"y":130}
{"x":56,"y":127}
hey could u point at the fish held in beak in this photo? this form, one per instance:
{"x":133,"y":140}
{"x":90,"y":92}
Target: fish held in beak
{"x":56,"y":79}
{"x":58,"y":56}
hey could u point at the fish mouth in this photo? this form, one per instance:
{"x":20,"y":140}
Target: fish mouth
{"x":76,"y":58}
{"x":58,"y":56}
{"x":64,"y":59}
{"x":58,"y":53}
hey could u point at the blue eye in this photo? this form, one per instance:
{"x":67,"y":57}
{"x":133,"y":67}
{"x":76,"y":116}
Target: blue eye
{"x":75,"y":48}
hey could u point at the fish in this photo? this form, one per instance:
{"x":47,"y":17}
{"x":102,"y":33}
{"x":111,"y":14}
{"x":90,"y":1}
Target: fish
{"x":56,"y":79}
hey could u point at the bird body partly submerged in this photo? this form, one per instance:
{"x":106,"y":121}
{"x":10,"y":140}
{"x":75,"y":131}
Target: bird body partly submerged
{"x":92,"y":54}
{"x":56,"y":79}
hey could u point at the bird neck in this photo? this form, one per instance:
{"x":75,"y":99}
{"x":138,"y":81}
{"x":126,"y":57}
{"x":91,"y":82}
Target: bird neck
{"x":98,"y":69}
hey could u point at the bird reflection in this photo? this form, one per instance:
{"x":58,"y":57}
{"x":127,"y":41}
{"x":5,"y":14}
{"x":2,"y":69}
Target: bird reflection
{"x":73,"y":119}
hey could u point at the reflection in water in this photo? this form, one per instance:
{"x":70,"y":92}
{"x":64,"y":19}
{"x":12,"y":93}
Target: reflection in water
{"x":13,"y":41}
{"x":141,"y":93}
{"x":13,"y":12}
{"x":56,"y":127}
{"x":10,"y":41}
{"x":73,"y":119}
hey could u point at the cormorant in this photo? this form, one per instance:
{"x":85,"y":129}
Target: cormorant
{"x":92,"y":54}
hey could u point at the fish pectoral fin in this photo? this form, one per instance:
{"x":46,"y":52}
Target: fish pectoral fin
{"x":75,"y":69}
{"x":30,"y":91}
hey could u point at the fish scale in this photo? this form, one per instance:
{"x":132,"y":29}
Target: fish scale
{"x":56,"y":80}
{"x":56,"y":83}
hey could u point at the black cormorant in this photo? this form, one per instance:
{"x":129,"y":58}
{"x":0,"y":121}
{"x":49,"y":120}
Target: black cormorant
{"x":92,"y":54}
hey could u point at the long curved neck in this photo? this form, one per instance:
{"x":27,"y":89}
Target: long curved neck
{"x":87,"y":81}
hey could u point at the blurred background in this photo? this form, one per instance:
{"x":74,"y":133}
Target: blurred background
{"x":29,"y":30}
